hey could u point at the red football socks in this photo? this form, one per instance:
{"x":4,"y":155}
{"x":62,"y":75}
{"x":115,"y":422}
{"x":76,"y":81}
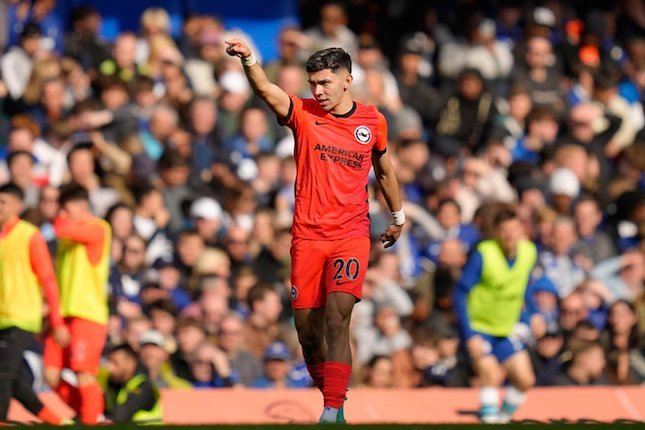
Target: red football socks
{"x":91,"y":402}
{"x":69,"y":394}
{"x":317,"y":372}
{"x":48,"y":416}
{"x":336,"y":381}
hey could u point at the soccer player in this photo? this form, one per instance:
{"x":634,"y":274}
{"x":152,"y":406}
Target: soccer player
{"x":26,"y":275}
{"x":489,"y":300}
{"x":82,"y":269}
{"x":337,"y":142}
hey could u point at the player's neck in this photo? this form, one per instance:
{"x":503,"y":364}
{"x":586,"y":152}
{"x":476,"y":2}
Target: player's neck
{"x":344,"y":107}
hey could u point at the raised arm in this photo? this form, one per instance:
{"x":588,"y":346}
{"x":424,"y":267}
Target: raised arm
{"x":273,"y":95}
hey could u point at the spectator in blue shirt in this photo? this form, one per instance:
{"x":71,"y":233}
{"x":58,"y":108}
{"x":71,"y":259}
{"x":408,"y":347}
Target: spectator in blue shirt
{"x":449,"y":217}
{"x":277,"y":362}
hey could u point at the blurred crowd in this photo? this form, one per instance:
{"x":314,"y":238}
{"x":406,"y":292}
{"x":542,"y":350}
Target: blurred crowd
{"x":533,"y":104}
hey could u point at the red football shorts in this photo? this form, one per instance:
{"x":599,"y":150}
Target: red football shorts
{"x":319,"y":267}
{"x":84,"y":351}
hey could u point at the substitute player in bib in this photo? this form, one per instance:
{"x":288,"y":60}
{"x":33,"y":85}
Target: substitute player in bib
{"x":489,"y":300}
{"x":26,"y":275}
{"x":82,"y":266}
{"x":337,"y":143}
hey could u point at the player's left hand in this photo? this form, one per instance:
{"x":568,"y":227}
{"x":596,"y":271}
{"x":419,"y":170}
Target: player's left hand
{"x":391,"y":235}
{"x":61,"y":336}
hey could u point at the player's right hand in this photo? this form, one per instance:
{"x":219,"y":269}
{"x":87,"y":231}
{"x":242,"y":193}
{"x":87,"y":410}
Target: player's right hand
{"x":237,"y":48}
{"x":62,"y":336}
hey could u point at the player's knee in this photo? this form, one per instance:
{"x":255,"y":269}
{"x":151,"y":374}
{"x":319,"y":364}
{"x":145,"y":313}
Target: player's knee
{"x":310,"y":339}
{"x":337,"y":328}
{"x":526,"y":382}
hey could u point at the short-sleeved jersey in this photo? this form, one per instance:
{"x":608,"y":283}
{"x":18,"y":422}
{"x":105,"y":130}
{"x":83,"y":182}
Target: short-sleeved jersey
{"x":333,"y":156}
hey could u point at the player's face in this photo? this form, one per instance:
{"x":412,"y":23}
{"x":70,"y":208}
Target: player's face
{"x":509,"y":233}
{"x":329,"y":88}
{"x":10,"y":206}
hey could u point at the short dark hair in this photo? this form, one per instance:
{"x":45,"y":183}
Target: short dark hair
{"x":125,"y":348}
{"x":505,"y":214}
{"x":13,"y":189}
{"x":78,"y":147}
{"x":143,"y":190}
{"x":14,"y":154}
{"x":83,"y":12}
{"x":188,"y":322}
{"x":73,"y":192}
{"x":163,"y":305}
{"x":589,"y":198}
{"x":31,"y":29}
{"x":330,"y":58}
{"x":257,"y":293}
{"x":448,"y":201}
{"x":171,"y":158}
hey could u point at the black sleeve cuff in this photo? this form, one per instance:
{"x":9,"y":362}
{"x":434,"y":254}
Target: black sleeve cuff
{"x":379,"y":153}
{"x":285,"y":120}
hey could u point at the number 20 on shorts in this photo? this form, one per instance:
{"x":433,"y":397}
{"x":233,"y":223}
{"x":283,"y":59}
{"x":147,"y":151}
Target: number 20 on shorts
{"x":348,"y":269}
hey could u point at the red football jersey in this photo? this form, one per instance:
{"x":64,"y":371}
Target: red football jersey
{"x":333,"y":158}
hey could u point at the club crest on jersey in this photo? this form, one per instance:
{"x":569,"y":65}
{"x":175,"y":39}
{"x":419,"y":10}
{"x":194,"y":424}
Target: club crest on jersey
{"x":294,"y":293}
{"x":362,"y":134}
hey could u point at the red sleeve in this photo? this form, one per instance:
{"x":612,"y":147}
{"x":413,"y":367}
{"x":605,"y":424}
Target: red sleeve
{"x":41,"y":264}
{"x":381,"y":134}
{"x":293,"y":117}
{"x":90,"y":235}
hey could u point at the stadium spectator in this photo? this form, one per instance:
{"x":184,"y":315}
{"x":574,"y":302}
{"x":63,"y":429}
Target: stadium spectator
{"x":155,"y":359}
{"x":245,"y":367}
{"x":593,"y":243}
{"x":379,"y":372}
{"x":332,"y":30}
{"x":587,"y":366}
{"x":262,"y":327}
{"x":546,"y":357}
{"x":84,"y":43}
{"x":129,"y":395}
{"x":558,"y":262}
{"x":17,"y":64}
{"x":277,"y":360}
{"x":210,"y":367}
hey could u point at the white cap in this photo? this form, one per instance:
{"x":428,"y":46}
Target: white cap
{"x":234,"y":82}
{"x":543,"y":16}
{"x":564,"y":181}
{"x":152,"y":337}
{"x":206,"y":208}
{"x":247,"y":170}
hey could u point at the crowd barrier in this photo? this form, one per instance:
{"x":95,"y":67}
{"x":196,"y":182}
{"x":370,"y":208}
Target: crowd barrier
{"x":431,"y":405}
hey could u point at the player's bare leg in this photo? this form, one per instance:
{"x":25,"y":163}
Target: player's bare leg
{"x":491,"y":377}
{"x":520,"y":374}
{"x":338,"y":367}
{"x":310,"y":324}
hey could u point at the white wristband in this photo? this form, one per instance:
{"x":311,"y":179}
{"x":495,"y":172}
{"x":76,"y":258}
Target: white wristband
{"x":399,"y":217}
{"x":249,"y":61}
